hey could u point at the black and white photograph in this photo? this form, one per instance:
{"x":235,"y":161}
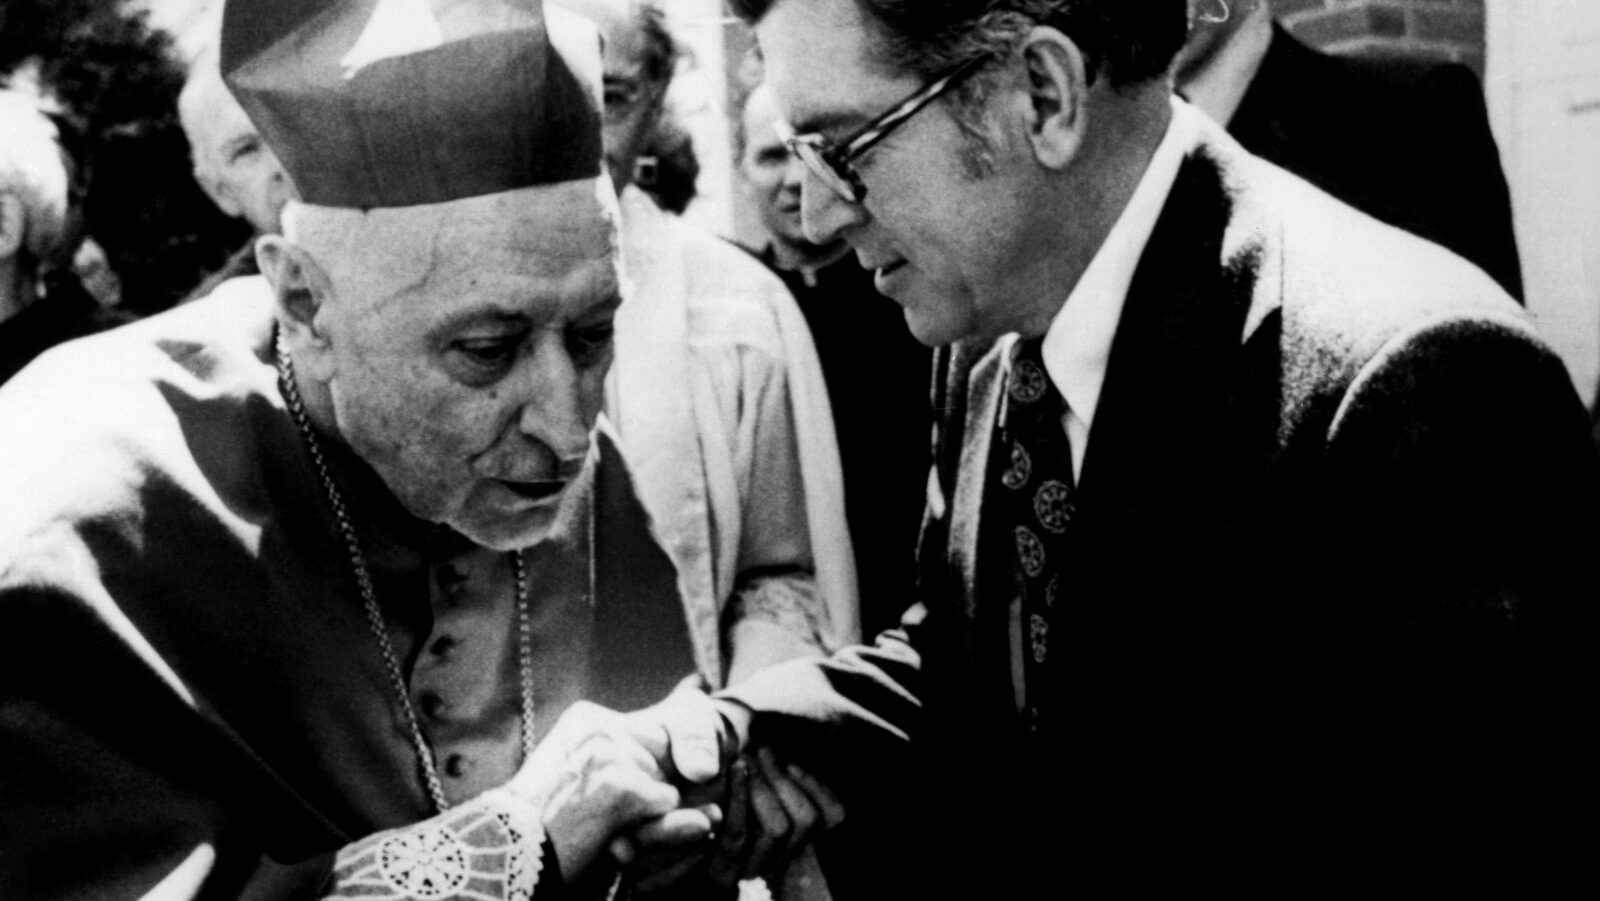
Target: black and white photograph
{"x":799,"y":450}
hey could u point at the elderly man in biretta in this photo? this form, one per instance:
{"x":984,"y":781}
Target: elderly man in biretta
{"x":310,"y":584}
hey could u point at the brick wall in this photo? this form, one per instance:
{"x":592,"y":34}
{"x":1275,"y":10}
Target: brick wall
{"x":1433,"y":29}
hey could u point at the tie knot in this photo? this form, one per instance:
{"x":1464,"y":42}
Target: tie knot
{"x":1030,"y":396}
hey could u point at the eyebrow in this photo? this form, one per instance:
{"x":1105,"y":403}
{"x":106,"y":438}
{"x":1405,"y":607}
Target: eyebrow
{"x":495,"y":316}
{"x":478,"y":316}
{"x":610,"y":305}
{"x":836,"y":121}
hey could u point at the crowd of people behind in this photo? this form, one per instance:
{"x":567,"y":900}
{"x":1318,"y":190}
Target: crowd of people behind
{"x":375,"y":428}
{"x":136,"y":237}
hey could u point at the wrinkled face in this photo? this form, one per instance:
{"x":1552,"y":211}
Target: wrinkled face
{"x":941,"y":242}
{"x":471,"y":381}
{"x":771,"y":174}
{"x":235,"y":166}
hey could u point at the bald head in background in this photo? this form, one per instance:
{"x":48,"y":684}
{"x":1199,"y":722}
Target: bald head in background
{"x":232,"y":163}
{"x":772,"y":178}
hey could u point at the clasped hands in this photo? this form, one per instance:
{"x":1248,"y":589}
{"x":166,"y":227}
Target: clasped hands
{"x":667,"y":794}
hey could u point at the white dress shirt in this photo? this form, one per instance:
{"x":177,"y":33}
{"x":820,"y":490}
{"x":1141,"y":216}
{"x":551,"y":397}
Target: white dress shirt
{"x":1078,"y":342}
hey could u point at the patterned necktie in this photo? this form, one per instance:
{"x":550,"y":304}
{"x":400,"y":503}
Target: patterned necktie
{"x":1035,"y":501}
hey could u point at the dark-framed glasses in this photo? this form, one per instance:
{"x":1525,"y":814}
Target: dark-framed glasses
{"x":833,"y":163}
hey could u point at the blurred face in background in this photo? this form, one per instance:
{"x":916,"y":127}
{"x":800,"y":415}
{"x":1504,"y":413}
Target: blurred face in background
{"x":94,"y":271}
{"x":234,"y":166}
{"x":772,"y":175}
{"x":634,"y":94}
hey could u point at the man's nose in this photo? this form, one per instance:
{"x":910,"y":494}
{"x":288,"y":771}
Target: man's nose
{"x":794,"y":173}
{"x":824,"y":215}
{"x":555,"y":406}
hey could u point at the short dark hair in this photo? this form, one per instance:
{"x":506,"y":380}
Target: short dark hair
{"x":1126,"y":41}
{"x":677,"y":166}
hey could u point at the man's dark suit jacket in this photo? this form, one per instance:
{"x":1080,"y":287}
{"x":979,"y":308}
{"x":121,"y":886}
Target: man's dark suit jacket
{"x":1404,"y":140}
{"x":1330,"y":624}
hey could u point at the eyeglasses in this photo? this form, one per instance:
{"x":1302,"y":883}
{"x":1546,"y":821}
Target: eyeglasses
{"x":833,"y":163}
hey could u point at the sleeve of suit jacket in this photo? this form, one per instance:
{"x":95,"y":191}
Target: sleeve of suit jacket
{"x":1461,"y":497}
{"x":850,"y":718}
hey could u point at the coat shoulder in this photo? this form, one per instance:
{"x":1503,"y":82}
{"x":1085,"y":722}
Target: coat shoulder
{"x":93,"y":426}
{"x":1337,"y":289}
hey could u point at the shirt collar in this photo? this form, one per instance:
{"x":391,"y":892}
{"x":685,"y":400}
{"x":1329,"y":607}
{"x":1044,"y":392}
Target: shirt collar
{"x":1078,"y":343}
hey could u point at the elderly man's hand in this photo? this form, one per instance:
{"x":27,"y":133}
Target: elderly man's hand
{"x":692,"y":740}
{"x":592,"y":779}
{"x":771,"y":812}
{"x":693,"y":736}
{"x":763,"y":812}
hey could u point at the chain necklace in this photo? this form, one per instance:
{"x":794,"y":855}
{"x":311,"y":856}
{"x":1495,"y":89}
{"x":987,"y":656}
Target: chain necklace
{"x":369,"y":597}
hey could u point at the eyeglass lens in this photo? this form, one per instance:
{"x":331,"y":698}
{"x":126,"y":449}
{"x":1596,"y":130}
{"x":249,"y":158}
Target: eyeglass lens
{"x":824,"y":169}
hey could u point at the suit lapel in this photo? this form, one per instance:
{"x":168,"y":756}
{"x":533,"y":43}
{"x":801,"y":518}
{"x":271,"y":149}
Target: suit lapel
{"x":1170,"y":378}
{"x":1156,"y":465}
{"x":961,"y":573}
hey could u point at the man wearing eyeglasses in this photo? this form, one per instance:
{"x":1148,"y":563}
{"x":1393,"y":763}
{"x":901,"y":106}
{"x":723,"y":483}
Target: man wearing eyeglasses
{"x":1256,"y":558}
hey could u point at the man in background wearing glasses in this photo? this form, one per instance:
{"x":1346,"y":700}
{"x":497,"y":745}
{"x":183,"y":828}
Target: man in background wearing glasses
{"x":1256,"y":555}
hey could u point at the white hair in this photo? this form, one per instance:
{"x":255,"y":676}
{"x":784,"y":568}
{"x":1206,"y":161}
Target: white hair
{"x":33,"y":168}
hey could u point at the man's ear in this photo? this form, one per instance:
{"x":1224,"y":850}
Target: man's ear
{"x":1057,"y":94}
{"x":13,"y":225}
{"x":303,"y":292}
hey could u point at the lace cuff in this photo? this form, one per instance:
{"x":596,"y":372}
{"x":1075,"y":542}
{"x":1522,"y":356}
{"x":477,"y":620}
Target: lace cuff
{"x":485,"y":850}
{"x":788,"y":600}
